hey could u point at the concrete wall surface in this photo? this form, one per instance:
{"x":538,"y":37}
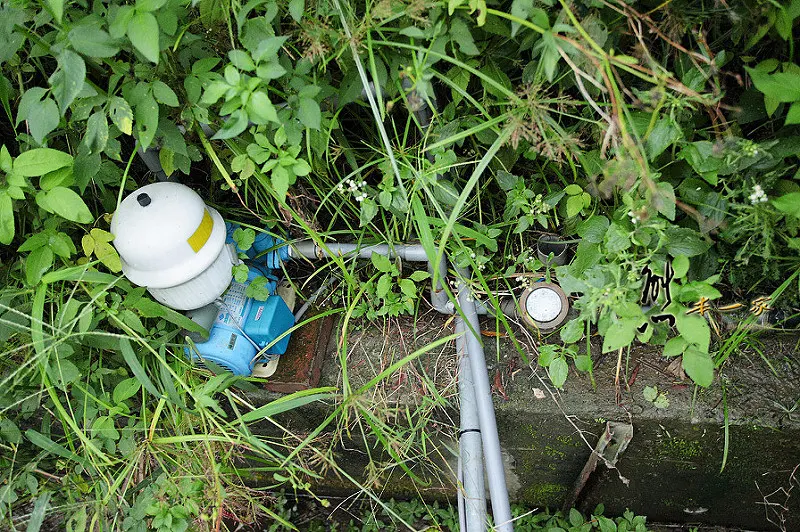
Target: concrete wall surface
{"x":671,"y":470}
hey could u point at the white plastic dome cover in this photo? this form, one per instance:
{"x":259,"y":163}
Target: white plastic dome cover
{"x":166,"y":235}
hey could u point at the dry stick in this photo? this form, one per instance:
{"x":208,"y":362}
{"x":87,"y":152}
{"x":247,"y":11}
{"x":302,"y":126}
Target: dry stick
{"x":578,"y":75}
{"x":630,"y":12}
{"x":616,"y":379}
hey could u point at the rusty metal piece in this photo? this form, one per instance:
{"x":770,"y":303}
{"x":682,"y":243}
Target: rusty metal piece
{"x":300,"y":367}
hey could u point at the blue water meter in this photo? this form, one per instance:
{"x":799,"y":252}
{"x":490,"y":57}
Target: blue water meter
{"x":246,"y":331}
{"x":182,"y":250}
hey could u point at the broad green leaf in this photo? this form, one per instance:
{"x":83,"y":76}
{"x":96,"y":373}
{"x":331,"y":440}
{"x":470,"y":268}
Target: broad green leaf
{"x":63,"y":372}
{"x":572,"y":331}
{"x":419,"y":276}
{"x":57,"y":6}
{"x":296,"y":8}
{"x":575,"y":517}
{"x":593,"y":229}
{"x":104,"y":427}
{"x":684,"y":241}
{"x":558,"y":371}
{"x":547,"y":353}
{"x":121,"y":114}
{"x":62,"y":177}
{"x":788,"y":204}
{"x":270,"y":70}
{"x":574,"y":206}
{"x":118,"y":27}
{"x":96,"y":136}
{"x":38,"y":261}
{"x":43,"y":500}
{"x":6,"y":218}
{"x":68,"y":204}
{"x":42,"y":118}
{"x":146,"y":115}
{"x":698,"y":365}
{"x":164,"y":94}
{"x":87,"y":245}
{"x":150,"y":309}
{"x":107,"y":254}
{"x":167,"y":159}
{"x":520,"y":9}
{"x":452,"y":5}
{"x":583,"y":362}
{"x":6,"y":161}
{"x":309,"y":113}
{"x":617,"y":239}
{"x":461,"y":34}
{"x":381,"y":262}
{"x":413,"y":32}
{"x":702,"y":156}
{"x":93,"y":42}
{"x":675,"y":346}
{"x":782,"y":86}
{"x":664,"y":134}
{"x":143,"y":33}
{"x":680,"y":265}
{"x":620,"y":334}
{"x":67,"y":81}
{"x":260,"y":110}
{"x":793,"y":116}
{"x":40,"y":161}
{"x":126,"y":389}
{"x":383,"y":286}
{"x":234,"y":126}
{"x":258,"y":288}
{"x":664,"y":200}
{"x":694,"y":329}
{"x":244,"y":238}
{"x":241,"y":60}
{"x":149,"y":5}
{"x":280,"y":181}
{"x":268,"y":48}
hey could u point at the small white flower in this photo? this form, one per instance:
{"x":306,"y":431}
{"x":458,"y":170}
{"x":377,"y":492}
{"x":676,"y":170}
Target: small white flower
{"x":758,"y":195}
{"x":472,"y":255}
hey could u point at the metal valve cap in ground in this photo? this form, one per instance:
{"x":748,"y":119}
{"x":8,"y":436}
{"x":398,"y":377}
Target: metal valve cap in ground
{"x":544,"y":306}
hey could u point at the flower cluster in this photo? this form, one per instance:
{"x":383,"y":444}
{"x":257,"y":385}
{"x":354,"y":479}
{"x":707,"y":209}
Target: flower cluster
{"x":538,"y":206}
{"x":748,"y":148}
{"x":758,"y":195}
{"x":355,"y":188}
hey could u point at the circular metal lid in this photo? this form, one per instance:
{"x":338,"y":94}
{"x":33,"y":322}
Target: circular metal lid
{"x":544,"y":305}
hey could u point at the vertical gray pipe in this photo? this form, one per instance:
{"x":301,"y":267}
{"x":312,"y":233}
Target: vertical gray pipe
{"x":472,"y":492}
{"x":150,"y":158}
{"x":482,"y":394}
{"x":501,"y":508}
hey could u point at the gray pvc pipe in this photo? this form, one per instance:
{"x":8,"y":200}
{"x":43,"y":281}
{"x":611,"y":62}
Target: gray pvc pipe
{"x":153,"y":163}
{"x":501,"y":507}
{"x":472,"y":492}
{"x":409,"y":252}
